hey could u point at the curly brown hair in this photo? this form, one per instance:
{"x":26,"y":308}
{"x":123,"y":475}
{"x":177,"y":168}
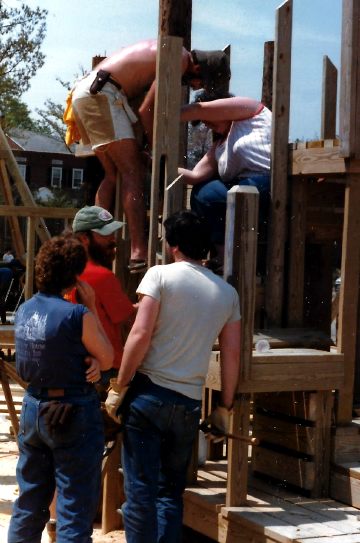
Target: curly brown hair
{"x":59,"y":262}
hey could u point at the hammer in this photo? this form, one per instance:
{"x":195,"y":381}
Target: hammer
{"x":215,"y":432}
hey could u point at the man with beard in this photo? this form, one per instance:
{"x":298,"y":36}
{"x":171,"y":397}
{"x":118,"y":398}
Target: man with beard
{"x":95,"y":227}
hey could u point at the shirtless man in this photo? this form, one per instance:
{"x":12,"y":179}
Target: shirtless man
{"x":104,"y":119}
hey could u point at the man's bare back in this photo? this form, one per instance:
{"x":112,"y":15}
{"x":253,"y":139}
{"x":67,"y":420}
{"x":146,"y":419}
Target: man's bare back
{"x":134,"y":67}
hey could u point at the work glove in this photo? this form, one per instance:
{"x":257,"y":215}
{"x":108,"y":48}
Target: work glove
{"x":114,"y":400}
{"x":218,"y":421}
{"x":57,"y":415}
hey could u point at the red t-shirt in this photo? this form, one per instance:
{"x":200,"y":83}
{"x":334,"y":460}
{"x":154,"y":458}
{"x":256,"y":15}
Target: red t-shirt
{"x":113,"y":306}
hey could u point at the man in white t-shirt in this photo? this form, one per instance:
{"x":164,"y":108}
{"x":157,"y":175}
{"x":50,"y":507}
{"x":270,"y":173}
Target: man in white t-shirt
{"x":183,"y":308}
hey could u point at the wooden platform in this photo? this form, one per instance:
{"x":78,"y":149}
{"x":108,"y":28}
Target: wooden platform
{"x":272,"y":514}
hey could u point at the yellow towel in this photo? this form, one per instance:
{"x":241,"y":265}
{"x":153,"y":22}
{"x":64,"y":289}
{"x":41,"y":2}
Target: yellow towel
{"x":72,"y":133}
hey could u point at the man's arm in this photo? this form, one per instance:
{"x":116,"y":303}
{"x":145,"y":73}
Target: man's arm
{"x":229,"y":342}
{"x":146,"y":113}
{"x":139,"y":339}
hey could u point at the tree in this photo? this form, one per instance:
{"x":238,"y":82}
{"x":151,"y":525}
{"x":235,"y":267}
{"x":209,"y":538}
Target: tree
{"x":22,"y":31}
{"x":16,"y":114}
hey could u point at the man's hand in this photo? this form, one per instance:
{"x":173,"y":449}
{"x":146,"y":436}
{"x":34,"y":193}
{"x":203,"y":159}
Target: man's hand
{"x":115,"y":398}
{"x":93,"y":373}
{"x":218,"y":420}
{"x":85,"y":295}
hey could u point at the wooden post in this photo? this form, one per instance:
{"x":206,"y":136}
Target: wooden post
{"x":166,"y":128}
{"x":349,"y":296}
{"x":21,"y":185}
{"x":30,"y":258}
{"x":328,"y":103}
{"x":268,"y":74}
{"x":175,"y":19}
{"x":13,"y":220}
{"x":349,"y":144}
{"x":295,"y":298}
{"x":279,"y":169}
{"x":240,"y":271}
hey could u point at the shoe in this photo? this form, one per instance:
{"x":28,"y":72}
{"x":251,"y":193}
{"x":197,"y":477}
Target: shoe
{"x":138,"y":265}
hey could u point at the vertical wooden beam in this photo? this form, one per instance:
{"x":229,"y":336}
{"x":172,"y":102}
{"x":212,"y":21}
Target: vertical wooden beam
{"x":328,"y":102}
{"x":349,"y":296}
{"x":175,"y":19}
{"x":13,"y":221}
{"x":322,"y":443}
{"x":166,"y":128}
{"x":349,"y":144}
{"x":113,"y":490}
{"x":279,"y":169}
{"x":30,"y":258}
{"x":240,"y":271}
{"x":295,"y":298}
{"x":24,"y":191}
{"x":268,"y":74}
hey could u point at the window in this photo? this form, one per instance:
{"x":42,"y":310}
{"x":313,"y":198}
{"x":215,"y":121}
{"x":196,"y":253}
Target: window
{"x":56,"y":177}
{"x":77,"y":178}
{"x":22,"y":169}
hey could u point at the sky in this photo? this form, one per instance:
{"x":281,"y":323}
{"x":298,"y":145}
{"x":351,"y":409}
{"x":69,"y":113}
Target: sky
{"x":77,"y":30}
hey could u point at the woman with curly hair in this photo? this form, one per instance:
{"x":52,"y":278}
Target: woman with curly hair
{"x":61,"y":436}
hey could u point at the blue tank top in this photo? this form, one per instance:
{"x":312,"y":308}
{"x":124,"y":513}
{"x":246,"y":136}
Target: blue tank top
{"x":49,"y":350}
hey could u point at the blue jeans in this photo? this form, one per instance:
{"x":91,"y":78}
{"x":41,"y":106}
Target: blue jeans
{"x":209,"y":199}
{"x":70,"y":461}
{"x":160,"y":426}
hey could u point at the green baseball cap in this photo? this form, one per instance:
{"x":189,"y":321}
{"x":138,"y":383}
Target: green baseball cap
{"x":97,"y":219}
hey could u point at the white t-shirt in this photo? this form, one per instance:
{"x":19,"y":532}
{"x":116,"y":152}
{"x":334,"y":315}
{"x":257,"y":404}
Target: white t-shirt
{"x":8,"y":258}
{"x":247,"y":148}
{"x":195,"y":304}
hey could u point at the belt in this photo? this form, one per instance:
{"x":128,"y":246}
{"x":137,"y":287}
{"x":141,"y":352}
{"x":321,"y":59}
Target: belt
{"x":115,"y":83}
{"x":59,"y":392}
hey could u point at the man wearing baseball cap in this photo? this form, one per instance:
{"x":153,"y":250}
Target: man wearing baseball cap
{"x":96,"y":227}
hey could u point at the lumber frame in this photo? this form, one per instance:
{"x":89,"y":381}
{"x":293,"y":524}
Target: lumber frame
{"x":279,"y":170}
{"x":13,"y":220}
{"x":240,"y":271}
{"x":328,"y":102}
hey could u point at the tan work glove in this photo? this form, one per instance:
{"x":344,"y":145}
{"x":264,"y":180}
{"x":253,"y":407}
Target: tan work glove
{"x":219,"y":421}
{"x":115,"y":398}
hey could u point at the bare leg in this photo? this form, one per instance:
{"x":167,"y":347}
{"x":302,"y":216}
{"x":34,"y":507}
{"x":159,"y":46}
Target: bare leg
{"x":124,"y":156}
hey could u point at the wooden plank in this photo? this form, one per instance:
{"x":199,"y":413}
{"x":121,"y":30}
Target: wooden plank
{"x":328,"y":102}
{"x":297,"y":437}
{"x":262,"y":523}
{"x":45,"y":212}
{"x":349,"y":121}
{"x":30,"y":258}
{"x":113,"y":491}
{"x":279,"y":169}
{"x":349,"y":538}
{"x":344,"y":488}
{"x":350,"y":469}
{"x":294,"y":471}
{"x":323,"y":162}
{"x":240,"y":271}
{"x":348,"y":310}
{"x":21,"y":185}
{"x":268,"y":72}
{"x":294,"y":337}
{"x":322,"y":436}
{"x":166,"y":128}
{"x":295,"y":297}
{"x":345,"y":448}
{"x":301,"y":405}
{"x":200,"y":519}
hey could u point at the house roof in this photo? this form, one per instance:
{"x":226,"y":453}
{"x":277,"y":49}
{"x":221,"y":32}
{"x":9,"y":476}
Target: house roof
{"x":26,"y":140}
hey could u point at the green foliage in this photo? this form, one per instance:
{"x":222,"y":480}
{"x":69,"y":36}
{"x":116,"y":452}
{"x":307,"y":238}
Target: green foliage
{"x":60,"y":199}
{"x":51,"y":119}
{"x":17,"y":114}
{"x":22,"y":31}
